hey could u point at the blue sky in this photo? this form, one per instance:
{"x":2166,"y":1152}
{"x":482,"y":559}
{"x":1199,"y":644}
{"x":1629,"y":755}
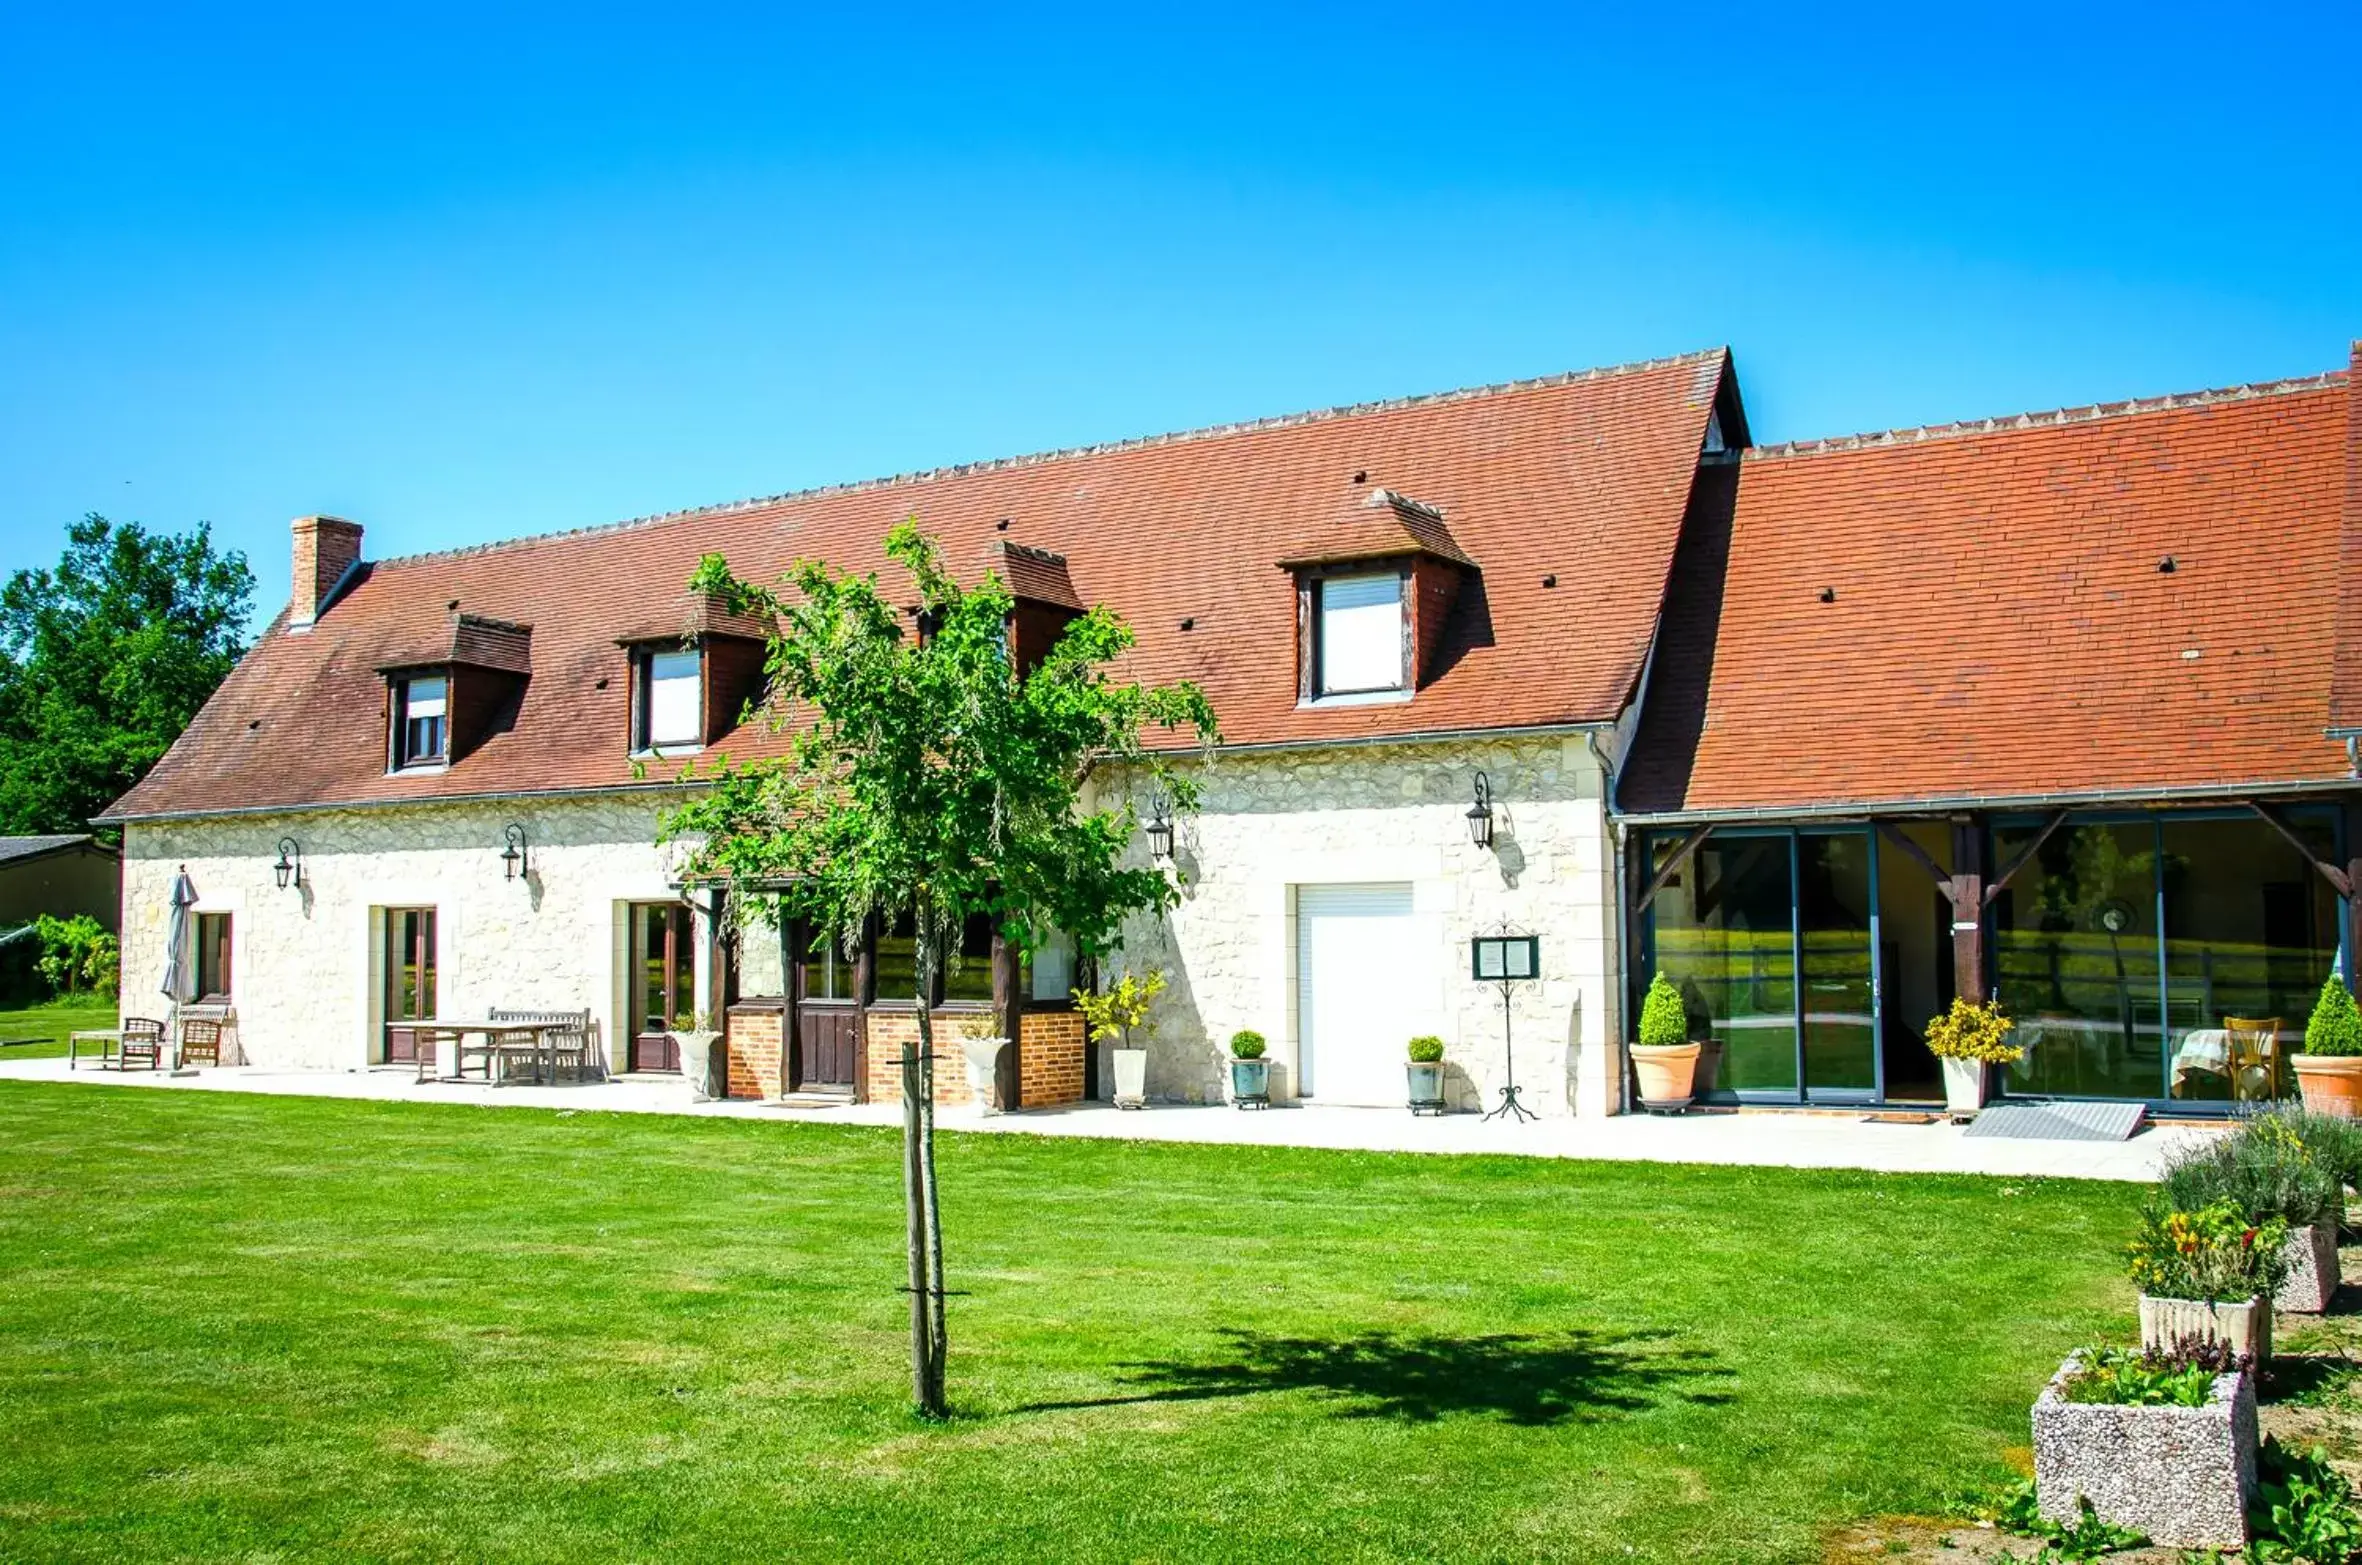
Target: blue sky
{"x":463,"y":276}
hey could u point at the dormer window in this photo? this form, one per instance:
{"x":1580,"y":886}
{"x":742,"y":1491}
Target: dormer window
{"x":422,"y":727}
{"x":671,"y":705}
{"x":1360,"y":644}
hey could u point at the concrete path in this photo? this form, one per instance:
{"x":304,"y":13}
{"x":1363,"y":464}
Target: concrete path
{"x":1772,"y":1138}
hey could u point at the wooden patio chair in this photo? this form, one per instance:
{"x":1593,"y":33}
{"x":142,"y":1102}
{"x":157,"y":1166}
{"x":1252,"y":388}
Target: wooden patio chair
{"x":567,"y":1043}
{"x":200,"y":1040}
{"x":143,"y":1039}
{"x":2254,"y":1056}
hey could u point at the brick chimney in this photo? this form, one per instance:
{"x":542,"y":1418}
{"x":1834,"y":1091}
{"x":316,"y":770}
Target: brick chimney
{"x":326,"y":548}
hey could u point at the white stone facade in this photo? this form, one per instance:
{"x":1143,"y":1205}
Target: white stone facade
{"x":308,"y":966}
{"x":1272,"y":823}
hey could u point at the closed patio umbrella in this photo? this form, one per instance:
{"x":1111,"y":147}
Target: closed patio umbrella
{"x":179,"y":981}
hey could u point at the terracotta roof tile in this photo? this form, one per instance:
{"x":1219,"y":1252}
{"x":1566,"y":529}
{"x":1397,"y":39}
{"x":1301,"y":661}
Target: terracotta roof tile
{"x":1579,"y":476}
{"x":1989,"y":611}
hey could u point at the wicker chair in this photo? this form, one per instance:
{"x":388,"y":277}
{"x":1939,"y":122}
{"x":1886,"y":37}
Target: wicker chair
{"x":200,"y":1040}
{"x":2254,"y":1056}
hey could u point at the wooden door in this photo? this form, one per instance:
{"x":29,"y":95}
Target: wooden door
{"x":828,"y":1017}
{"x":664,"y":987}
{"x":409,"y":978}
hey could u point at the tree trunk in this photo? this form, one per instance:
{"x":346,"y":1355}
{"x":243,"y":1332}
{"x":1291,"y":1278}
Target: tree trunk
{"x":939,"y":1337}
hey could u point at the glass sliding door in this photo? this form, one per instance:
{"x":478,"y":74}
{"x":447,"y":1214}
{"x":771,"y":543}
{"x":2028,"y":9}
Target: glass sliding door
{"x":2251,"y":931}
{"x":1725,"y":934}
{"x":1837,"y":922}
{"x":2076,"y":958}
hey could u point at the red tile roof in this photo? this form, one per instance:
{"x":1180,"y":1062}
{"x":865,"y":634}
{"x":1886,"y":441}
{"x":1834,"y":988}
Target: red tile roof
{"x":2109,"y":600}
{"x":1374,"y":526}
{"x":1582,"y":477}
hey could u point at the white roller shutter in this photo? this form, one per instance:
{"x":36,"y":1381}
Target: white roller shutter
{"x":1364,"y":983}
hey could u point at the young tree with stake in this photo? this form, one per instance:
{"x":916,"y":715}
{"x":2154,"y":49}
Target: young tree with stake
{"x":929,"y":778}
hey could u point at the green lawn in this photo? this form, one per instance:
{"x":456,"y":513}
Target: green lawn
{"x":52,"y":1021}
{"x":247,"y":1328}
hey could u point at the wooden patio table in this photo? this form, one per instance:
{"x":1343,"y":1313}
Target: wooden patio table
{"x":496,"y":1037}
{"x":109,"y":1040}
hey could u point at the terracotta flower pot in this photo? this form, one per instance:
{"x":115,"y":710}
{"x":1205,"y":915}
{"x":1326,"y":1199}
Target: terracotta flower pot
{"x":2330,"y":1083}
{"x":1665,"y":1075}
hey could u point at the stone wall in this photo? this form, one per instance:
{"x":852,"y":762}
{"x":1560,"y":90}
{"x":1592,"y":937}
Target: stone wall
{"x":307,"y":963}
{"x":1394,"y":813}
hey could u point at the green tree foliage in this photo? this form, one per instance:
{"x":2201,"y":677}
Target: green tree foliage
{"x":930,"y":779}
{"x":77,"y":953}
{"x":104,"y":658}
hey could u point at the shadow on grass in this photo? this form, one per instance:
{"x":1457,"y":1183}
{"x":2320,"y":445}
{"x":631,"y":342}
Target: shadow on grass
{"x":1524,"y":1378}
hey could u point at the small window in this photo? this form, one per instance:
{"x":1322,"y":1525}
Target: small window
{"x":828,"y":972}
{"x":672,"y":708}
{"x":213,"y":958}
{"x":1360,"y":634}
{"x":1049,"y":967}
{"x":421,"y":721}
{"x":973,"y":979}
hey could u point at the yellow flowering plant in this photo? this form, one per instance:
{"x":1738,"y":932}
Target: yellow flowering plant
{"x":2215,"y":1253}
{"x":1974,"y":1030}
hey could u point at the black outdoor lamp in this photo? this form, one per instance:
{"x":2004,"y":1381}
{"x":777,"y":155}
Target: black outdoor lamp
{"x":1480,"y":814}
{"x":513,"y":859}
{"x":1160,"y":830}
{"x":289,"y":870}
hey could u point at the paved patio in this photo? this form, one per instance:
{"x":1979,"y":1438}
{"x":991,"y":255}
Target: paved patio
{"x":1769,"y":1138}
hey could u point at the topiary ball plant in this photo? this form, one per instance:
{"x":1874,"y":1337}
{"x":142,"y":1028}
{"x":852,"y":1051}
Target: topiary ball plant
{"x":2336,"y":1024}
{"x":1426,"y":1050}
{"x":1246,"y":1044}
{"x":1664,"y":1020}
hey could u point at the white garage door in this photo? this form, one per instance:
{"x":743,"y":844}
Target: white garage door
{"x":1365,"y":983}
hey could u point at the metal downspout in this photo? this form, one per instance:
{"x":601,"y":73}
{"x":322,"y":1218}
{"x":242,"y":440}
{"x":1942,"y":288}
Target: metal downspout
{"x":1607,"y":799}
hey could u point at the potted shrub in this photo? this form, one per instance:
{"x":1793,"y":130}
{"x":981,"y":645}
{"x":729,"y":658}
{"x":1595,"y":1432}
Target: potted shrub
{"x":1971,"y":1038}
{"x":1664,"y":1060}
{"x":2269,"y":1169}
{"x":1114,"y":1016}
{"x":2160,"y":1442}
{"x":694,"y":1037}
{"x":1426,"y":1074}
{"x":2208,"y":1273}
{"x":982,"y":1046}
{"x":1250,"y":1072}
{"x":2329,"y":1071}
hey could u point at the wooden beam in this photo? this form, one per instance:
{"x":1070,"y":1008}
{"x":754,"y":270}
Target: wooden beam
{"x":1671,"y":867}
{"x":2329,"y":871}
{"x":1968,"y":909}
{"x":2000,"y":882}
{"x":1918,"y":855}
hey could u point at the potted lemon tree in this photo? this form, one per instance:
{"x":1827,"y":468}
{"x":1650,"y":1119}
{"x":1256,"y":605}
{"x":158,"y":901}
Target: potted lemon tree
{"x":1250,"y":1072}
{"x":2329,"y":1071}
{"x":1664,"y":1060}
{"x":1971,"y":1038}
{"x":1116,"y":1015}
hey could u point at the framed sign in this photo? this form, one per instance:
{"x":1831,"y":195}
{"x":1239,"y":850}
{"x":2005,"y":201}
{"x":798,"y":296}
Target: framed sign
{"x":1502,"y":958}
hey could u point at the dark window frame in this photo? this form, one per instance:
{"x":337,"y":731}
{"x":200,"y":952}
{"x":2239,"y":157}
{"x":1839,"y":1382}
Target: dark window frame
{"x":214,"y":959}
{"x":399,"y":755}
{"x":1312,"y":585}
{"x":940,"y":999}
{"x":643,"y":682}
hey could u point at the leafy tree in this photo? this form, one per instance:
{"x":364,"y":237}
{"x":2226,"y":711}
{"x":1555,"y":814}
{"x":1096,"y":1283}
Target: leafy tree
{"x":77,"y":951}
{"x":931,"y":780}
{"x":104,"y":659}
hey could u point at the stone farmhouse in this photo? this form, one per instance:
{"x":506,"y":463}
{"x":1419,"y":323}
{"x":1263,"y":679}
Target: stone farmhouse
{"x":2060,"y":706}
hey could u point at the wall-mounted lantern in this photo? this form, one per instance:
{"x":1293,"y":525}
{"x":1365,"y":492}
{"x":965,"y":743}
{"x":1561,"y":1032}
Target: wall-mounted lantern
{"x":1480,"y":814}
{"x":1160,"y":829}
{"x":514,"y":859}
{"x":289,"y":870}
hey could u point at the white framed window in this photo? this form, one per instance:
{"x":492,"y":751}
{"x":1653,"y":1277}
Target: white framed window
{"x":672,"y":708}
{"x":422,"y":724}
{"x":1361,"y":633}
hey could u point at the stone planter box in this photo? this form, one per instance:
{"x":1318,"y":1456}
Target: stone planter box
{"x":1967,"y":1084}
{"x":983,"y":1057}
{"x":2312,"y":1269}
{"x":2182,"y":1475}
{"x":2246,"y":1327}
